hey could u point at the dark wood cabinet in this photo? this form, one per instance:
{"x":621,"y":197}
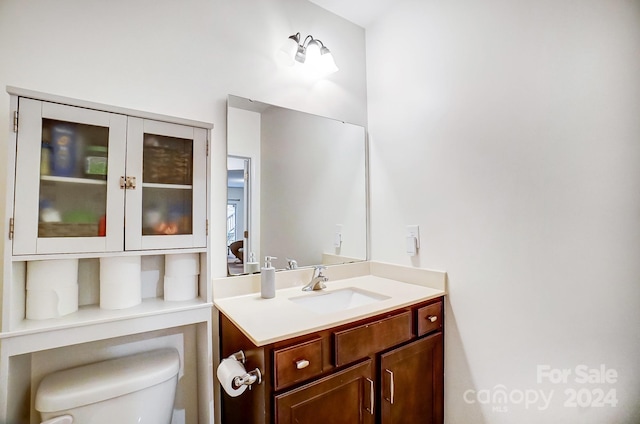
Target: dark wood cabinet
{"x":411,"y":379}
{"x":386,"y":369}
{"x":345,"y":397}
{"x":362,"y":340}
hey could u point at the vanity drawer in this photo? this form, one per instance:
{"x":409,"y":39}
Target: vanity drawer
{"x":297,"y":363}
{"x":358,"y":342}
{"x":429,"y":318}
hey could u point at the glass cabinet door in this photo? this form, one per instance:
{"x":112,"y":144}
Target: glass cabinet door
{"x":69,"y":161}
{"x":166,"y":205}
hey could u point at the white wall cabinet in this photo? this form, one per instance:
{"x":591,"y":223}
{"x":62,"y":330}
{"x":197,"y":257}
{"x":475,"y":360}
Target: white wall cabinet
{"x":86,"y":181}
{"x":94,"y":181}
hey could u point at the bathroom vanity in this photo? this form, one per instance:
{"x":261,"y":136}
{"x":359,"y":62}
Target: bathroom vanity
{"x":376,"y":357}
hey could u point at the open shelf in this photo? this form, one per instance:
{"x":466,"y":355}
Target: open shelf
{"x":93,"y":314}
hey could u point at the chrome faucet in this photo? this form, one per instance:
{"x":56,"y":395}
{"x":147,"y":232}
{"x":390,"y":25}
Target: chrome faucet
{"x":292,"y":264}
{"x":318,"y":279}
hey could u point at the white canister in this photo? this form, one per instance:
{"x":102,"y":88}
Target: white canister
{"x":120,"y":282}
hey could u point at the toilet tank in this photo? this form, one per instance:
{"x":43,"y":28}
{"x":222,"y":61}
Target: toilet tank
{"x":89,"y":384}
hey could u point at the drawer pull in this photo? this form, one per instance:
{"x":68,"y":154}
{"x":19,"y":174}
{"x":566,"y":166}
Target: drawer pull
{"x":432,"y":318}
{"x":302,"y":363}
{"x":391,"y":387}
{"x":371,"y":396}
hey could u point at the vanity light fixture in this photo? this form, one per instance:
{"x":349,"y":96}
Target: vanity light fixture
{"x":311,"y":52}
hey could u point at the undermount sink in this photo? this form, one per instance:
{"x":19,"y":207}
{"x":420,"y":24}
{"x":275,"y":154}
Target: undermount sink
{"x":337,"y":300}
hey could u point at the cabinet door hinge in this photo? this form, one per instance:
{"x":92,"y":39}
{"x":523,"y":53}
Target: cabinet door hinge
{"x":207,"y":147}
{"x":11,"y":228}
{"x":207,"y":227}
{"x":15,"y":121}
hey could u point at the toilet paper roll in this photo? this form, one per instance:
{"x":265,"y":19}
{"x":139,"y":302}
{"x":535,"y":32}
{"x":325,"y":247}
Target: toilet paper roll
{"x":184,"y":287}
{"x":42,"y":304}
{"x":67,"y":300}
{"x":228,"y":370}
{"x":182,"y":264}
{"x":51,"y":274}
{"x":46,"y":304}
{"x":118,"y":269}
{"x":120,"y":282}
{"x":120,"y":296}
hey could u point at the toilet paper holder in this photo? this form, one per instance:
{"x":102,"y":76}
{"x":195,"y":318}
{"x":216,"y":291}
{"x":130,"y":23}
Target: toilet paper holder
{"x":250,"y":377}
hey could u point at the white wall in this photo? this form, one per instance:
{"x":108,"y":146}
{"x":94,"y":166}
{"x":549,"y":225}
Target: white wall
{"x":510,"y":132}
{"x":179,"y":58}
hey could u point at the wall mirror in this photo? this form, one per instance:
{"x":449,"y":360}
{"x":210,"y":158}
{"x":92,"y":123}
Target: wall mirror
{"x":297,"y":188}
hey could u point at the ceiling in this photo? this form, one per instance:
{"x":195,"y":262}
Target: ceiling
{"x":361,"y":12}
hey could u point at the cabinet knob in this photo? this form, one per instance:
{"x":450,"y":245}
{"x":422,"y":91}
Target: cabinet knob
{"x":302,"y":363}
{"x":432,"y":318}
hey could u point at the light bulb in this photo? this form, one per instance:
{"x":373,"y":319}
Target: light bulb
{"x":326,"y":63}
{"x":313,"y":53}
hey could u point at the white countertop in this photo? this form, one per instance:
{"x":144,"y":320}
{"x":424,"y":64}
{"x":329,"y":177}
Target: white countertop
{"x":266,"y":321}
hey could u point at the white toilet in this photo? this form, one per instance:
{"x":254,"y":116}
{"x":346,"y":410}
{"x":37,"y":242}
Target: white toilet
{"x":136,"y":389}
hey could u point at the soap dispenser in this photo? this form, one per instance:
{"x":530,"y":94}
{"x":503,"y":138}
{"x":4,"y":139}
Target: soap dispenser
{"x":252,"y":267}
{"x":268,"y":279}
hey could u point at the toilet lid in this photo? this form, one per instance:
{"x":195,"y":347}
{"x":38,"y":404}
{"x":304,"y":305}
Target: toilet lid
{"x":104,"y":380}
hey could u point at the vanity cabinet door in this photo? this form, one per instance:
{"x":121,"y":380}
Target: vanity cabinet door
{"x":345,"y":397}
{"x":412,"y":380}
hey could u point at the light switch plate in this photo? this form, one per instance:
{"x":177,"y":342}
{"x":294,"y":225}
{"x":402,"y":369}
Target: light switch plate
{"x":413,"y":239}
{"x":337,"y":236}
